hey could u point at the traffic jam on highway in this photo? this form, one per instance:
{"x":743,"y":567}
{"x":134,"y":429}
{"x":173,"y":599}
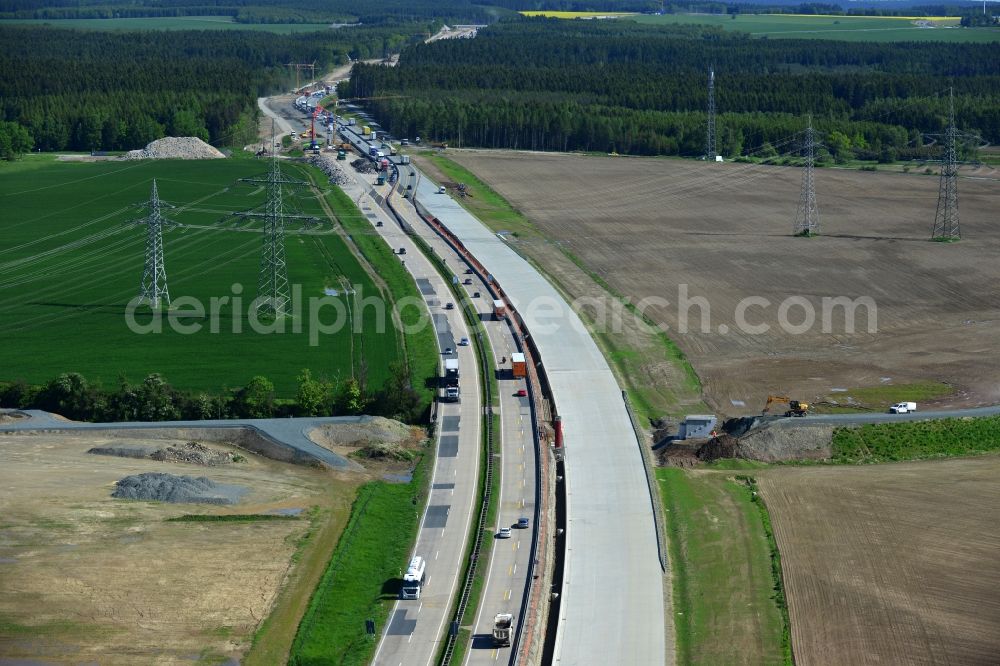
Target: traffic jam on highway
{"x":415,"y":621}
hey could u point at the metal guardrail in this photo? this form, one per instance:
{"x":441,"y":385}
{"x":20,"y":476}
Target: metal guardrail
{"x":654,"y":496}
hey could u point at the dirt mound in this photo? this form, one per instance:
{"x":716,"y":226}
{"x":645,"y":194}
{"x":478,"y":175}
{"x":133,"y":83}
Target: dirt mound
{"x":723,"y":446}
{"x":771,"y":442}
{"x":384,"y":451}
{"x":375,"y":429}
{"x":363,"y":166}
{"x":195,"y":453}
{"x":159,"y":487}
{"x":677,"y":454}
{"x":192,"y":452}
{"x":171,"y":147}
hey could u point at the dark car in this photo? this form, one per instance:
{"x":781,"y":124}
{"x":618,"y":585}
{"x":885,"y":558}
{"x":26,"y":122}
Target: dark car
{"x":522,"y":523}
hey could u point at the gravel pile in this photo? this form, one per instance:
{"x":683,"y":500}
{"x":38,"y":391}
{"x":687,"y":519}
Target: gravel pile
{"x":158,"y":487}
{"x":171,"y":147}
{"x":121,"y":451}
{"x":363,"y":166}
{"x":195,"y":453}
{"x":330,"y":167}
{"x":192,"y":452}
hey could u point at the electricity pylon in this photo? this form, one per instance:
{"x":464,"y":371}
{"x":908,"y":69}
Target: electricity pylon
{"x":710,"y":143}
{"x":807,"y":214}
{"x":946,"y":226}
{"x":153,"y":287}
{"x":272,"y":282}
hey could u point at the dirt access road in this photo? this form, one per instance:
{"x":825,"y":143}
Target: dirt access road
{"x":890,"y":564}
{"x":88,"y":578}
{"x":650,"y":227}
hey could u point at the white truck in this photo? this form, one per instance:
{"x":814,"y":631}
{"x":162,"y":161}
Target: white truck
{"x":413,"y":579}
{"x":502,"y":623}
{"x":903,"y":408}
{"x":451,"y":379}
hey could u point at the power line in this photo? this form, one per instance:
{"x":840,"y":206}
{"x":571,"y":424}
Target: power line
{"x":272,"y":283}
{"x":946,"y":226}
{"x":807,"y":214}
{"x":711,"y":149}
{"x":153,"y":287}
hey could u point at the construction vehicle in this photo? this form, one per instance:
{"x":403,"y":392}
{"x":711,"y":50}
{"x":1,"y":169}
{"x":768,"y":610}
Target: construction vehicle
{"x":380,"y":179}
{"x":341,"y":154}
{"x":502,"y":623}
{"x":795,"y":407}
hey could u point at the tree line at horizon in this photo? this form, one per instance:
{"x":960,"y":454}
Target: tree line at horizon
{"x":546,"y":84}
{"x":370,"y":12}
{"x":154,"y":399}
{"x":364,"y":12}
{"x":96,"y":90}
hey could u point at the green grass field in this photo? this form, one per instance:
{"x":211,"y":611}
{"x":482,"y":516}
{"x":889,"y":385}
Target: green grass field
{"x":916,"y":440}
{"x":172,"y":23}
{"x":362,"y":577}
{"x":70,"y":261}
{"x":724,"y":609}
{"x":851,"y":28}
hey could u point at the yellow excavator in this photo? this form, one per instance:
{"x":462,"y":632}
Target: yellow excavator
{"x":795,"y":407}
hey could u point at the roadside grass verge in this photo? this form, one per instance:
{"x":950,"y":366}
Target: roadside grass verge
{"x":916,"y":440}
{"x":313,"y":546}
{"x":630,"y":363}
{"x":361,"y":579}
{"x":725,"y":603}
{"x":420,"y":346}
{"x":878,"y":398}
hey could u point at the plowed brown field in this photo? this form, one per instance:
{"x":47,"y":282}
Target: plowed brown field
{"x":649,"y":226}
{"x":890,"y":564}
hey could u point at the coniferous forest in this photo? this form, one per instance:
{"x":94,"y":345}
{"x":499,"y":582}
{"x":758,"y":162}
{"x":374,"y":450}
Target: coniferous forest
{"x":82,"y":90}
{"x":546,"y":84}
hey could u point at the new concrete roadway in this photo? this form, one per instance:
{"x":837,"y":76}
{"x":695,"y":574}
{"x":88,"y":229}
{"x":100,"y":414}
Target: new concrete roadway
{"x":612,"y":605}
